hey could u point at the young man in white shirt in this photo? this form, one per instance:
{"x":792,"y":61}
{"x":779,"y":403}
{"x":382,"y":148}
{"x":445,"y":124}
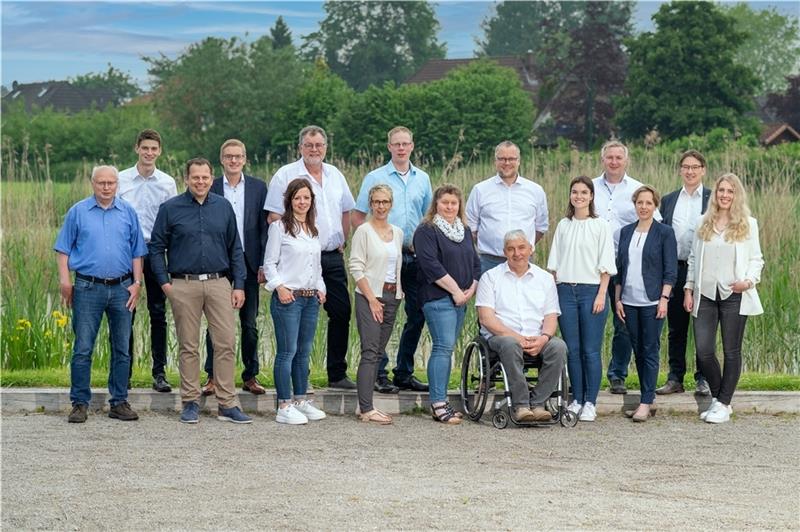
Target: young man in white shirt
{"x":504,"y":202}
{"x":146,"y":187}
{"x":518,"y":310}
{"x":334,"y":201}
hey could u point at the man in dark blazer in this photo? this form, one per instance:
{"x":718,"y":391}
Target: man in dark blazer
{"x":682,"y":210}
{"x":247,"y":195}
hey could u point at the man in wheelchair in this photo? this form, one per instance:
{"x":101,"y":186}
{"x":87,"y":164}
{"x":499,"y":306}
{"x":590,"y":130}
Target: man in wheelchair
{"x":518,"y":311}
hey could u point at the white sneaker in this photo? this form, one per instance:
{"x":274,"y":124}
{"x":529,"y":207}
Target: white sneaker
{"x":588,"y":412}
{"x":309,"y":410}
{"x":291,"y":416}
{"x":719,"y":414}
{"x":714,"y":401}
{"x":574,"y":407}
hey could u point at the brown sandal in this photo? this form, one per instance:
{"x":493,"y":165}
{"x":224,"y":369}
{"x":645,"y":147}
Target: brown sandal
{"x":444,"y":414}
{"x":376,"y":416}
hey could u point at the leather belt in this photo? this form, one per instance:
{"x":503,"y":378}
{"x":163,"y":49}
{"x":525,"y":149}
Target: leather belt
{"x":305,"y":292}
{"x":197,"y":276}
{"x":390,"y":287}
{"x":100,"y":280}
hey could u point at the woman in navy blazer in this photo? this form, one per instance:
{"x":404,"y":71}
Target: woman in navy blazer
{"x":647,"y":266}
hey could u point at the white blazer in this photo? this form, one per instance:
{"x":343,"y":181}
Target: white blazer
{"x":748,"y":265}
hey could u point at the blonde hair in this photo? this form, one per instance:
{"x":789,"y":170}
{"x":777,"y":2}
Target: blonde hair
{"x":396,"y":130}
{"x":440,"y":191}
{"x":613,"y":144}
{"x":382,"y":187}
{"x":738,"y":218}
{"x":232,"y":142}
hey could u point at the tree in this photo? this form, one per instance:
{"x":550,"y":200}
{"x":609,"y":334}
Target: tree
{"x":772,"y":46}
{"x":682,"y":78}
{"x":371,"y":42}
{"x":785,"y":105}
{"x":280,"y":34}
{"x":119,"y":83}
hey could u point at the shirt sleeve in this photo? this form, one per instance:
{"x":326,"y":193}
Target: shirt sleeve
{"x":426,"y":249}
{"x":554,"y":258}
{"x":275,"y":191}
{"x":138,"y":246}
{"x":235,"y":253}
{"x":362,"y":203}
{"x":272,"y":254}
{"x":756,"y":262}
{"x":65,"y":241}
{"x":606,"y":263}
{"x":159,"y":242}
{"x":358,"y":254}
{"x":542,"y":215}
{"x":485,"y":294}
{"x":551,"y":305}
{"x":473,"y":210}
{"x":347,"y":197}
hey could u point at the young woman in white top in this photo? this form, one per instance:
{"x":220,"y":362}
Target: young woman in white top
{"x":582,"y":261}
{"x":723,"y":269}
{"x":294,"y":274}
{"x":375,"y":262}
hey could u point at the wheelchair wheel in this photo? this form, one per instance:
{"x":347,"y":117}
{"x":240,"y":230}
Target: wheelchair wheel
{"x":500,"y":420}
{"x":568,"y":418}
{"x":474,"y":381}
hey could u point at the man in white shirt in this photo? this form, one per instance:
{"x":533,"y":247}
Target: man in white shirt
{"x":518,"y":310}
{"x":682,"y":210}
{"x":334,"y":201}
{"x":504,"y":202}
{"x":613,"y":190}
{"x":146,"y":187}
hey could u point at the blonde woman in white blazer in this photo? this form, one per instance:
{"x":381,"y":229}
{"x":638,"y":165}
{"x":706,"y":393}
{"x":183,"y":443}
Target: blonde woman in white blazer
{"x":376,"y":257}
{"x":723,"y":270}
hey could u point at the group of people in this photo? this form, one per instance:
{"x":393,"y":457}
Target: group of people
{"x":209,"y":249}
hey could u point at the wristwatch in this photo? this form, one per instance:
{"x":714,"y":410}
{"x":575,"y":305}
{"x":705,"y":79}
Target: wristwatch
{"x":139,"y":282}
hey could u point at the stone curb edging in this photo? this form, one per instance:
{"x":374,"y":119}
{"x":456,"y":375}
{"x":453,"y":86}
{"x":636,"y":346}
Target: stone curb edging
{"x":19,"y":400}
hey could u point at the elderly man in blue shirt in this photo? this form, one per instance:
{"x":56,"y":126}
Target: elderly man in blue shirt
{"x":102,"y":242}
{"x":411,"y":188}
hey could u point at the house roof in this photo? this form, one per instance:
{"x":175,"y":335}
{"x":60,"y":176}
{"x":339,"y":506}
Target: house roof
{"x":61,"y":95}
{"x":778,"y":132}
{"x":436,"y":69}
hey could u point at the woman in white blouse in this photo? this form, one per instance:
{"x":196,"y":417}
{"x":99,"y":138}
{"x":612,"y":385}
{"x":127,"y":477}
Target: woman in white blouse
{"x":294,"y":274}
{"x":375,"y":262}
{"x":582,"y":261}
{"x":723,"y":270}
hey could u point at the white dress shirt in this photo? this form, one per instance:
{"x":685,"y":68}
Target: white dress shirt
{"x":494,"y":208}
{"x":332,"y":199}
{"x":146,"y":194}
{"x":688,"y":209}
{"x":614,"y":203}
{"x":582,"y":250}
{"x":293,"y":262}
{"x":718,"y":274}
{"x":520,"y":303}
{"x":235,"y":195}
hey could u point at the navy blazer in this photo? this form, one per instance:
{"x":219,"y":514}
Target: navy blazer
{"x":669,"y":201}
{"x":255,"y":219}
{"x":659,"y":257}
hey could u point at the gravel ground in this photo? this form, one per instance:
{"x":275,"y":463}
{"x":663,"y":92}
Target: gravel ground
{"x":673,"y":472}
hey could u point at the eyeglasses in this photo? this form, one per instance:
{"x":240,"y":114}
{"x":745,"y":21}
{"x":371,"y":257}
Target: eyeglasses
{"x":506,"y":159}
{"x":233,"y":157}
{"x":401,"y":144}
{"x":317,"y":146}
{"x":693,"y":167}
{"x":381,"y":202}
{"x":105,"y":184}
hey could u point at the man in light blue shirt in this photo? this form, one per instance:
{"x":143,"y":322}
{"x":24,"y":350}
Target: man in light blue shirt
{"x":102,"y":242}
{"x":411,"y":188}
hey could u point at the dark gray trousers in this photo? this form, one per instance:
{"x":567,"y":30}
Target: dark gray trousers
{"x":554,"y":354}
{"x":374,"y":337}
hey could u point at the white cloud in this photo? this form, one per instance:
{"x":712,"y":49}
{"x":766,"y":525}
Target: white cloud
{"x":254,"y":8}
{"x":14,"y":14}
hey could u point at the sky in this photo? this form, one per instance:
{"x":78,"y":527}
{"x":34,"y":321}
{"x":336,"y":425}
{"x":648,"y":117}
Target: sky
{"x":57,"y":40}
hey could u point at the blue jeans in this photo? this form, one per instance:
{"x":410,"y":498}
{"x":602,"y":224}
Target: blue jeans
{"x":412,"y":330}
{"x":645,"y":331}
{"x":295,"y":325}
{"x":620,"y":345}
{"x":89,"y":302}
{"x":582,"y":331}
{"x":444,"y":321}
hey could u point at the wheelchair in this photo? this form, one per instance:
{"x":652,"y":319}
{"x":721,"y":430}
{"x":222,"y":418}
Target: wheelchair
{"x":482,"y":370}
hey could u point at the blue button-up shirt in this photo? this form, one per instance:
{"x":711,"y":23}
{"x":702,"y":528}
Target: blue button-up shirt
{"x":411,"y":198}
{"x":196,"y":238}
{"x":101,"y":242}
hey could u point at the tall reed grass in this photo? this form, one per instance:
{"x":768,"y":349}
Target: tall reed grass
{"x":36,"y":331}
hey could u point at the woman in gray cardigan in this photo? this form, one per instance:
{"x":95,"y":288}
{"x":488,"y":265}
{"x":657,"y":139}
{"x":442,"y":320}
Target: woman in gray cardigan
{"x":375,"y":262}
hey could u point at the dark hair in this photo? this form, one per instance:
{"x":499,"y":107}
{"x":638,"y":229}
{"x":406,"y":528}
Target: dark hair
{"x":148,"y":134}
{"x":289,"y":223}
{"x":197,"y":161}
{"x":693,"y":153}
{"x":570,"y":208}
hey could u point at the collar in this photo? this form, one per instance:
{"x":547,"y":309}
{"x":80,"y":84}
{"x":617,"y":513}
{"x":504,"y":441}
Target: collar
{"x":624,"y":179}
{"x":225,"y":180}
{"x":210,"y":197}
{"x":698,"y":192}
{"x":392,"y":169}
{"x":153,"y":176}
{"x":95,"y":203}
{"x":304,"y":171}
{"x":497,"y":180}
{"x":507,"y":269}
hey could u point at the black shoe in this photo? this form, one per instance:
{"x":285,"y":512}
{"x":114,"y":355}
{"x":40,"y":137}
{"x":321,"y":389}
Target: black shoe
{"x":160,"y":384}
{"x":343,"y":384}
{"x":123,"y":412}
{"x":670,"y":387}
{"x":617,"y":387}
{"x":383,"y":385}
{"x":78,"y":414}
{"x":412,"y":383}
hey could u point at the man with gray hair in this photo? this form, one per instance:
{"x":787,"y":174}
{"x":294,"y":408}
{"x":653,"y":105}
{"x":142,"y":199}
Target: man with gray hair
{"x":334,"y":202}
{"x":102,"y":242}
{"x":518,"y":311}
{"x":503,"y":202}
